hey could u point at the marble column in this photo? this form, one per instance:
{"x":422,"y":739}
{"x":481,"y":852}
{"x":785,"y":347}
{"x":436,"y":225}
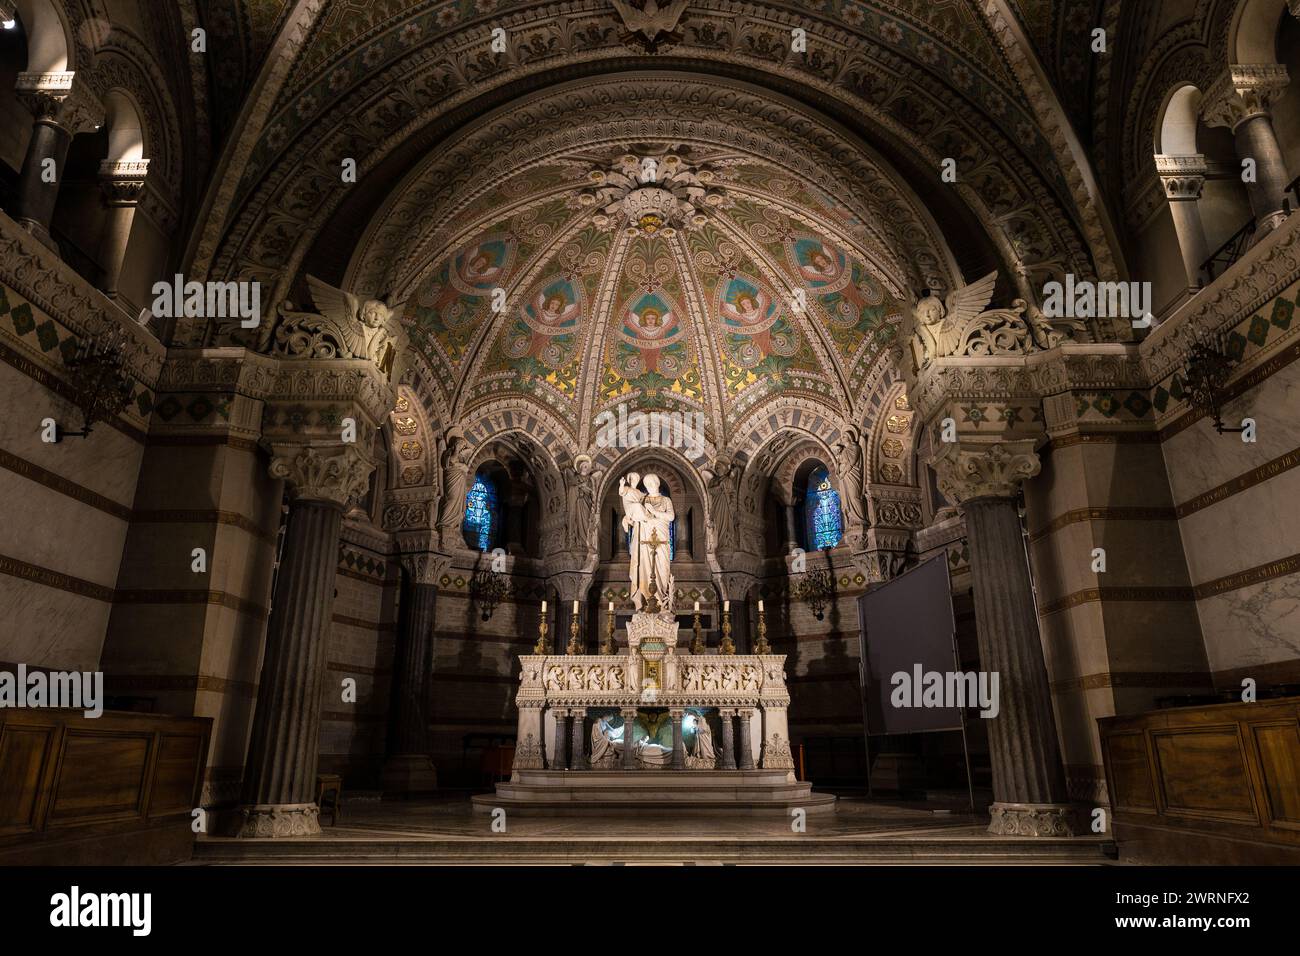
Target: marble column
{"x":679,"y":743}
{"x":558,"y":759}
{"x":408,"y":768}
{"x":746,"y":741}
{"x":60,"y":111}
{"x":1240,"y":100}
{"x":1028,"y":779}
{"x":578,"y":740}
{"x":122,"y":185}
{"x":280,"y":775}
{"x":728,"y":758}
{"x":1183,"y":178}
{"x":629,"y":745}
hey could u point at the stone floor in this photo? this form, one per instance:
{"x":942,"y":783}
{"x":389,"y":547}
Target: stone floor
{"x":445,"y":831}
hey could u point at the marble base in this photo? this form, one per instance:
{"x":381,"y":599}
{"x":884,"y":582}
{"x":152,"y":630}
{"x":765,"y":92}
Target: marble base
{"x":409,"y":773}
{"x":272,"y":820}
{"x":1032,"y":819}
{"x":683,"y":792}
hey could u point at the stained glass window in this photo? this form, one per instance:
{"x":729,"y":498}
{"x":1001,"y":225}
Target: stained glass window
{"x":825,"y":526}
{"x":481,"y":513}
{"x":672,"y":540}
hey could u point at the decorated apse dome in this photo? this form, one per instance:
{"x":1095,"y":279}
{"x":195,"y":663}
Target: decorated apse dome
{"x":677,"y":276}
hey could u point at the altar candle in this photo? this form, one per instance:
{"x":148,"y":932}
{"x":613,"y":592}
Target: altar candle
{"x":760,"y":606}
{"x":726,"y":605}
{"x":611,"y":607}
{"x":543,"y":607}
{"x":575,"y":607}
{"x":697,"y":607}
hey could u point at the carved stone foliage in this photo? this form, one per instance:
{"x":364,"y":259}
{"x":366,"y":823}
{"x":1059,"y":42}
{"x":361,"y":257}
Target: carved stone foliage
{"x":334,"y":474}
{"x":967,"y":470}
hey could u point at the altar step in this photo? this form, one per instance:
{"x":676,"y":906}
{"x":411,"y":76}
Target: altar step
{"x":691,"y":792}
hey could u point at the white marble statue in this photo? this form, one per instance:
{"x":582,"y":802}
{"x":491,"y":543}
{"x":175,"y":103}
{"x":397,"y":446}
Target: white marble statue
{"x":604,"y":748}
{"x":648,"y":516}
{"x":704,"y":752}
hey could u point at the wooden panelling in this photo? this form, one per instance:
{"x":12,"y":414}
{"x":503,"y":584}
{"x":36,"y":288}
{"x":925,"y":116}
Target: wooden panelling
{"x":1213,"y":785}
{"x":119,"y":788}
{"x":1132,"y":789}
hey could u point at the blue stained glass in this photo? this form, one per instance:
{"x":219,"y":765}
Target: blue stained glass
{"x":672,"y":540}
{"x":825,"y":525}
{"x":481,"y":512}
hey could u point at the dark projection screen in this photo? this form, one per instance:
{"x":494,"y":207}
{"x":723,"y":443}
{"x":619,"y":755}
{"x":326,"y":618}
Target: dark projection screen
{"x":905,"y":622}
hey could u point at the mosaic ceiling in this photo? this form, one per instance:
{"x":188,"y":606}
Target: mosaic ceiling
{"x":671,"y":279}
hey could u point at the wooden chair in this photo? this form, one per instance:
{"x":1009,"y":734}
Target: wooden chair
{"x":330,"y":783}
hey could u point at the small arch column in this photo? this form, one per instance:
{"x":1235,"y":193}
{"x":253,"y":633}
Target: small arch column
{"x":122,"y":185}
{"x":1240,"y":100}
{"x":1183,"y":178}
{"x":61,"y":109}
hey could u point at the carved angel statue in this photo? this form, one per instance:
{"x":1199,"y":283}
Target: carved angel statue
{"x":580,"y":490}
{"x":651,"y":19}
{"x":347,"y":327}
{"x":722,"y":478}
{"x":455,"y":455}
{"x":960,"y":325}
{"x":849,"y":456}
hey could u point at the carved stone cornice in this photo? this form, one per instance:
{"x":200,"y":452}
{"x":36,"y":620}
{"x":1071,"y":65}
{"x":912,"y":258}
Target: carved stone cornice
{"x":1243,"y":92}
{"x":1182,"y":177}
{"x":333,"y":473}
{"x":1260,"y":276}
{"x":60,"y":99}
{"x":122,"y":183}
{"x":968,"y":470}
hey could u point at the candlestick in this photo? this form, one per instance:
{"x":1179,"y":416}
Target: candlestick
{"x":607,"y":647}
{"x":541,"y":647}
{"x":574,"y":647}
{"x":697,"y":643}
{"x":726,"y":647}
{"x":761,"y":646}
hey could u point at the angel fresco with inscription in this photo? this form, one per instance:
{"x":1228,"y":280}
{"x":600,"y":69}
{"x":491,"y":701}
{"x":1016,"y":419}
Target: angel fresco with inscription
{"x":759,"y":338}
{"x":447,"y":305}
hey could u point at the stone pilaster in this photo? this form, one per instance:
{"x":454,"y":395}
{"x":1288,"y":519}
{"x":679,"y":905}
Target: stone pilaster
{"x":578,"y":739}
{"x":122,"y":185}
{"x":1028,"y":779}
{"x":746,"y":740}
{"x":61,"y":108}
{"x":676,"y":715}
{"x":629,"y":745}
{"x":1241,"y":100}
{"x":408,"y":768}
{"x":727,"y":760}
{"x":1183,"y":178}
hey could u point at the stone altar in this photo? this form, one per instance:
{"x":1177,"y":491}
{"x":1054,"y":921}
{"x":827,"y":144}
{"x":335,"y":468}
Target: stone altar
{"x":752,"y":770}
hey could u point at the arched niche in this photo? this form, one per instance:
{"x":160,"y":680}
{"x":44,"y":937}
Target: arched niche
{"x":49,"y":49}
{"x":679,"y":482}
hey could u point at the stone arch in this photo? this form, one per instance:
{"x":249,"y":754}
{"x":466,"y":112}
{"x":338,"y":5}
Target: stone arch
{"x":1252,"y":37}
{"x":51,"y":44}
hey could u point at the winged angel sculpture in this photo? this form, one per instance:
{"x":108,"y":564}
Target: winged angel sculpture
{"x":960,"y":325}
{"x":347,"y":327}
{"x":652,"y":20}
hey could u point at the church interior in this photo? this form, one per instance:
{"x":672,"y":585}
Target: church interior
{"x":460,"y":431}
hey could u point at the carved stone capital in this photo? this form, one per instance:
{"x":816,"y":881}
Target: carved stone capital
{"x":122,"y":184}
{"x":1182,"y":177}
{"x":735,"y":586}
{"x":425,"y":568}
{"x":968,"y":470}
{"x":1032,"y":819}
{"x":59,"y":99}
{"x":334,"y":473}
{"x":1243,"y":92}
{"x":570,"y":586}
